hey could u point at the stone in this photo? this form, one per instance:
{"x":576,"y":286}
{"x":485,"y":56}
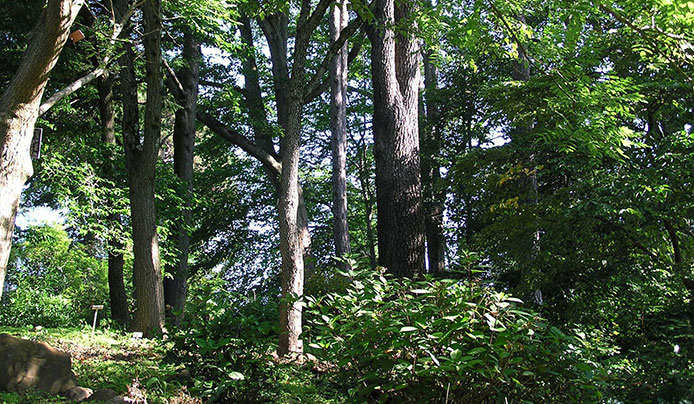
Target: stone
{"x":78,"y":393}
{"x":26,"y":365}
{"x":102,"y":395}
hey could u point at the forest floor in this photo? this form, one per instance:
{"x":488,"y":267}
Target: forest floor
{"x":109,"y":360}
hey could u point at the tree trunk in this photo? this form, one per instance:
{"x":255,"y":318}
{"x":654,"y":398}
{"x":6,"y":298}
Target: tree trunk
{"x":395,"y":73}
{"x":338,"y":127}
{"x":176,"y":288}
{"x":433,"y":192}
{"x":291,"y":245}
{"x":293,"y":238}
{"x":116,"y":285}
{"x":367,"y":195}
{"x":141,"y":158}
{"x":262,"y":130}
{"x":289,"y":94}
{"x":19,"y":108}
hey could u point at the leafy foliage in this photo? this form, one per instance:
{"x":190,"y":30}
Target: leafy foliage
{"x":52,"y":282}
{"x":226,"y":343}
{"x":400,"y":340}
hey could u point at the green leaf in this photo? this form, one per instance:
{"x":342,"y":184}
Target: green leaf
{"x":235,"y":376}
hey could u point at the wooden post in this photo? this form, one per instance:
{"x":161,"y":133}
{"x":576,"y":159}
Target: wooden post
{"x":96,"y":308}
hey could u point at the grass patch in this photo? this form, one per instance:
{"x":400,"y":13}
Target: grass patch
{"x":108,"y":359}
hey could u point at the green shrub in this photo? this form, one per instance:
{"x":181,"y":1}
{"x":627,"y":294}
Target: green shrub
{"x":227,"y":343}
{"x":401,"y":340}
{"x":52,"y":280}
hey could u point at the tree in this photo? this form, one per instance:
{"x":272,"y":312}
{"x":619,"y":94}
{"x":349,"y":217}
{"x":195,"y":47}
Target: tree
{"x":141,"y":154}
{"x":19,"y":109}
{"x":186,"y":94}
{"x":291,"y":92}
{"x":116,"y":284}
{"x":338,"y":126}
{"x":395,"y":72}
{"x":434,"y":195}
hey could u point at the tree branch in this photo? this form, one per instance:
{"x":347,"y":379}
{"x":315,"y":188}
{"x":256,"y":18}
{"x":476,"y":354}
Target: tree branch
{"x":325,"y":84}
{"x":103,"y":66}
{"x":645,"y":35}
{"x":335,"y":47}
{"x":241,"y":141}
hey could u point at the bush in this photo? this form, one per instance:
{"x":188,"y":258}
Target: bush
{"x":227,"y":343}
{"x":52,"y":281}
{"x":401,"y":340}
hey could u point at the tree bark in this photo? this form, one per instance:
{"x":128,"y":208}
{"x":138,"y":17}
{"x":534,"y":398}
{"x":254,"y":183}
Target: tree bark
{"x":262,"y":130}
{"x":19,"y":108}
{"x":176,"y":287}
{"x":338,"y":127}
{"x":141,"y":158}
{"x":290,"y":94}
{"x":116,"y":285}
{"x":434,"y":195}
{"x":367,"y":196}
{"x":395,"y":74}
{"x":292,"y":241}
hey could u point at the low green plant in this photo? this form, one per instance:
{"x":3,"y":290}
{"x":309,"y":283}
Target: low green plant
{"x":441,"y":340}
{"x":227,"y":343}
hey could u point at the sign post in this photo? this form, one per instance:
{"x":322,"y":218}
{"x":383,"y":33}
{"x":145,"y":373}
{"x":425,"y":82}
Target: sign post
{"x":96,"y":308}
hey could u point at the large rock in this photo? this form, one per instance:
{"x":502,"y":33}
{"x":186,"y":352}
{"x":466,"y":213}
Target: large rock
{"x":26,"y":365}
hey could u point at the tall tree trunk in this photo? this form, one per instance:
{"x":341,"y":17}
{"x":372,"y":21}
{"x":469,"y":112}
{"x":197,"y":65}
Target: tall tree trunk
{"x":367,"y":197}
{"x":176,"y":288}
{"x":19,"y":109}
{"x":338,"y":127}
{"x":116,"y":285}
{"x":292,"y":237}
{"x":289,"y":105}
{"x":262,"y":130}
{"x":290,"y":93}
{"x":141,"y":158}
{"x":434,"y":195}
{"x":291,"y":244}
{"x":530,"y":236}
{"x":395,"y":74}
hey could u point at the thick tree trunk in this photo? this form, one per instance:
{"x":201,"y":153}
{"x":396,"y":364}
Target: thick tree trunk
{"x":338,"y":127}
{"x":19,"y":108}
{"x":141,"y":159}
{"x":395,"y":73}
{"x":434,"y":195}
{"x":176,"y":288}
{"x":116,"y":285}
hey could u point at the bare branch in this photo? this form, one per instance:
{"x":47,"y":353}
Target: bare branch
{"x":172,"y":83}
{"x":325,"y":84}
{"x":335,"y":47}
{"x":86,"y":79}
{"x":241,"y":141}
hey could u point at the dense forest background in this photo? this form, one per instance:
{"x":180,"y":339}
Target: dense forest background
{"x":395,"y":201}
